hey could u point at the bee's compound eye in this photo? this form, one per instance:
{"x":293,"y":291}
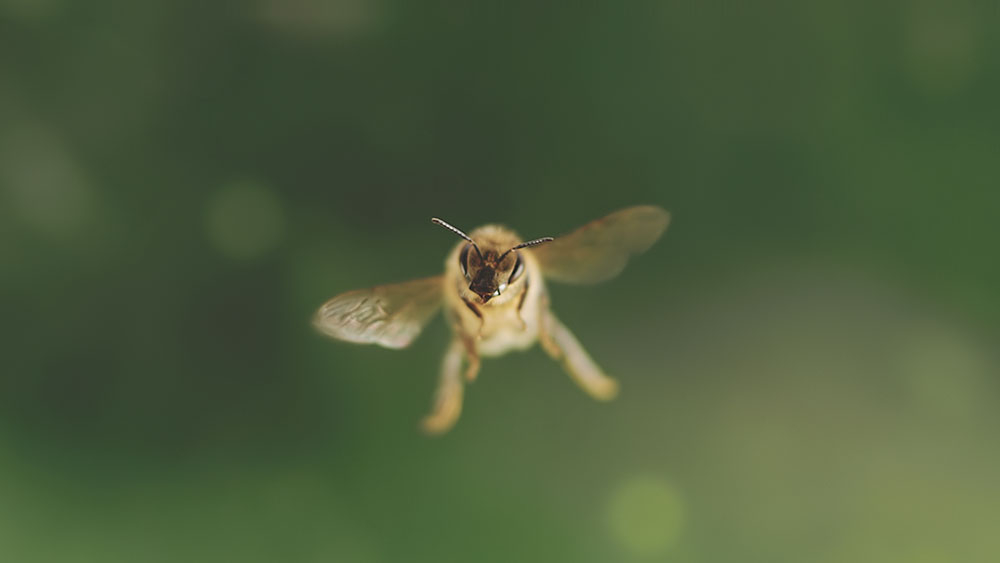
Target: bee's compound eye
{"x":518,"y":269}
{"x":463,"y":260}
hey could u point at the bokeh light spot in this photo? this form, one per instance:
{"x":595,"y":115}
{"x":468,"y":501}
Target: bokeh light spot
{"x":46,"y":186}
{"x":645,"y":514}
{"x":245,"y":220}
{"x":942,"y":44}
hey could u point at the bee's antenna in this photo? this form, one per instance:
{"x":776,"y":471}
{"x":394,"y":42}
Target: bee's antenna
{"x":437,"y":221}
{"x":525,"y":245}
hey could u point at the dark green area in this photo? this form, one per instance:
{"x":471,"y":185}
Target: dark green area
{"x":808,"y":358}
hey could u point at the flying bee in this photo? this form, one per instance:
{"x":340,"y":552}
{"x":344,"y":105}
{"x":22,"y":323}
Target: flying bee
{"x":494,"y":296}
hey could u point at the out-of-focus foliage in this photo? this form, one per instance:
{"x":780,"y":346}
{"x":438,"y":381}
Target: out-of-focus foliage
{"x":808,"y":358}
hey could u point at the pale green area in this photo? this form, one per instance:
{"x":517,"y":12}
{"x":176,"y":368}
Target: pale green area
{"x":808,"y":359}
{"x":645,"y":515}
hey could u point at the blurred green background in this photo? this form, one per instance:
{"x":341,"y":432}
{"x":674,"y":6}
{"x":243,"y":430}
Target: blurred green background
{"x":808,"y":358}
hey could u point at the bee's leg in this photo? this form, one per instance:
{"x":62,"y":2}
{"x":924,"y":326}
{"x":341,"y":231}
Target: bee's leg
{"x":472,"y":355}
{"x":448,"y":397}
{"x":544,"y":334}
{"x":565,"y":348}
{"x":475,"y":310}
{"x":469,"y":342}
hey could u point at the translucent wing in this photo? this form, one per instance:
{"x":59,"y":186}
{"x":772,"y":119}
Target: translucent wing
{"x":599,"y":250}
{"x":387,"y":315}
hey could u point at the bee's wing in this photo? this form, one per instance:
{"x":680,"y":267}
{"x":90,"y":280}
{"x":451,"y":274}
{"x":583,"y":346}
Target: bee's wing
{"x":388,"y":315}
{"x":599,"y":250}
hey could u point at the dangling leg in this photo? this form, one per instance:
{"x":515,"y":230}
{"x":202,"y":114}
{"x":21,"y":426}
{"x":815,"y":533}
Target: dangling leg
{"x":544,"y":332}
{"x":472,"y":356}
{"x":469,"y":341}
{"x":448,"y":397}
{"x":563,"y":347}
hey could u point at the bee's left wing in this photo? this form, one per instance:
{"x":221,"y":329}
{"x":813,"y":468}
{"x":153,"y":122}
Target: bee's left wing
{"x":388,"y":315}
{"x":599,"y":250}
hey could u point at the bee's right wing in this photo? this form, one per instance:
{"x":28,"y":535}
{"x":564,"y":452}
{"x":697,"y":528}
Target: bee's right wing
{"x":599,"y":250}
{"x":388,"y":315}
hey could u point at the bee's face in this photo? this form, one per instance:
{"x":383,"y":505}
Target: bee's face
{"x":490,"y":263}
{"x":491,"y":274}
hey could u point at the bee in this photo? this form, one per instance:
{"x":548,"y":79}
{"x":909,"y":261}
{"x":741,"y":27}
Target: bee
{"x":495,"y":299}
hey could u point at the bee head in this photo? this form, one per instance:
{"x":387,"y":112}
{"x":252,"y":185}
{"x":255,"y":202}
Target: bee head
{"x":490,"y":269}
